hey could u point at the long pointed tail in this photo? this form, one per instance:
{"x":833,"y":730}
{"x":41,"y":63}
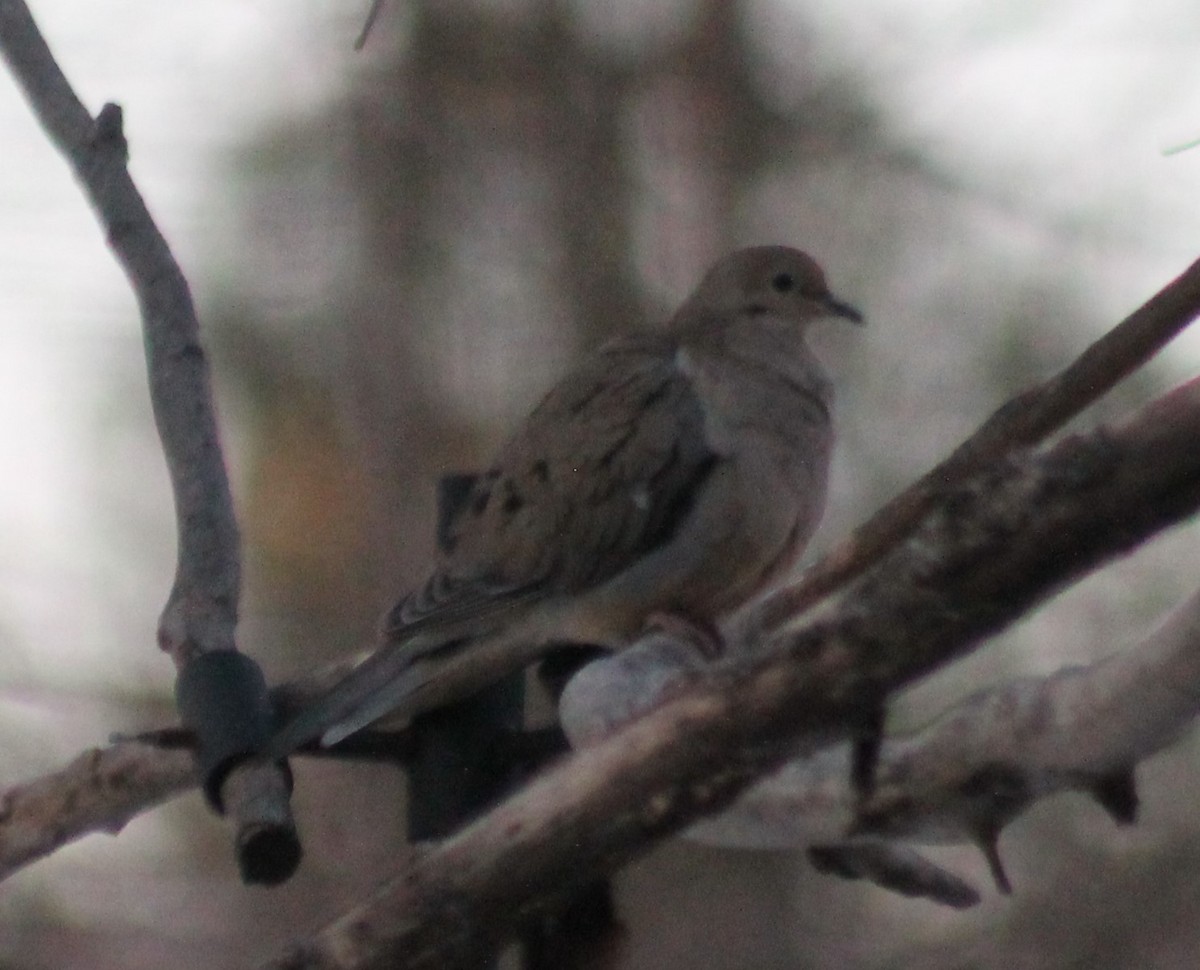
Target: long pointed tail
{"x":405,"y":679}
{"x":389,"y":680}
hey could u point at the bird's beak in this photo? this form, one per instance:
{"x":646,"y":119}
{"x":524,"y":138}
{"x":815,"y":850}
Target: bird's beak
{"x":844,"y":310}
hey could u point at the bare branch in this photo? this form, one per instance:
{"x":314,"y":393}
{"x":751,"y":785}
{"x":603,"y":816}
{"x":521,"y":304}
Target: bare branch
{"x":1075,"y":730}
{"x":201,"y":612}
{"x":1074,"y":717}
{"x":1068,"y":731}
{"x":372,"y":14}
{"x":1080,"y":729}
{"x":1001,"y":542}
{"x":102,"y":788}
{"x":100,"y":791}
{"x":823,"y":786}
{"x":1023,"y":421}
{"x":974,"y":544}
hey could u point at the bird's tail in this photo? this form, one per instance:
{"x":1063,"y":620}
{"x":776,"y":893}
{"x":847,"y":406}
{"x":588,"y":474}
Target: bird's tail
{"x":426,"y":670}
{"x":391,"y":679}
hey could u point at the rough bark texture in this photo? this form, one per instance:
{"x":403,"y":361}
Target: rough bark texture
{"x":992,"y":548}
{"x":201,"y":612}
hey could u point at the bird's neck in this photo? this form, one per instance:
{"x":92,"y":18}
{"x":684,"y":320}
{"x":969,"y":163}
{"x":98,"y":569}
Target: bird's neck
{"x":774,"y":344}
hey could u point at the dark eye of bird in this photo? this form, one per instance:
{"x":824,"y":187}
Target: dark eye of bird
{"x":783,"y":282}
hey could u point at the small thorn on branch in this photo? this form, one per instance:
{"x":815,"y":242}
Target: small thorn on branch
{"x":989,"y":845}
{"x":372,"y":15}
{"x":1117,"y":794}
{"x":865,"y":755}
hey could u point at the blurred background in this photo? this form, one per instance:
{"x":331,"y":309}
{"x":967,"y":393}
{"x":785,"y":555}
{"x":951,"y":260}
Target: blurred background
{"x":394,"y":252}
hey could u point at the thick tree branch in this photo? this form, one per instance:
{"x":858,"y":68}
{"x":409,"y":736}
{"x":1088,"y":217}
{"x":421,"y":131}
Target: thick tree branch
{"x":1077,"y":729}
{"x":1061,"y":732}
{"x":1023,"y":421}
{"x":994,"y":547}
{"x":157,"y":772}
{"x":201,"y":612}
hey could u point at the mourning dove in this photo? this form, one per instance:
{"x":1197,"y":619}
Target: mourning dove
{"x":670,"y":476}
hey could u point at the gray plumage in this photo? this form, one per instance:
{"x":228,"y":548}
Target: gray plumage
{"x":673,"y":474}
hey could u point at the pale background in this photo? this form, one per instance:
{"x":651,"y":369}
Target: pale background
{"x":390,"y":265}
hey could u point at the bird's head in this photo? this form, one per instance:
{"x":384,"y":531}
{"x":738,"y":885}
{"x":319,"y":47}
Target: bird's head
{"x":775,"y":280}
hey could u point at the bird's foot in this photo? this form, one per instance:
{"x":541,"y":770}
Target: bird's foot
{"x":701,"y":634}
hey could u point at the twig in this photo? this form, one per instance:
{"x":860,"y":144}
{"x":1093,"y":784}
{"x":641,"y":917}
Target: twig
{"x":1023,"y":421}
{"x":1072,"y":730}
{"x":72,"y":824}
{"x":200,"y":616}
{"x":1004,"y":540}
{"x":100,"y":791}
{"x":372,"y":15}
{"x":103,"y":788}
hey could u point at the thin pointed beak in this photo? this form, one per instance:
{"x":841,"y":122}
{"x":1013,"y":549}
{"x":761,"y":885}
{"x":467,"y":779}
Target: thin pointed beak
{"x":845,"y":310}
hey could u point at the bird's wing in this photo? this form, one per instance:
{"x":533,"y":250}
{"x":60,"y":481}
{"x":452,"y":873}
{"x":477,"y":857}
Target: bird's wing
{"x":600,"y":474}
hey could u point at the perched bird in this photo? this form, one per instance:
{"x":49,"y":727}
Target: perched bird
{"x":668,"y":478}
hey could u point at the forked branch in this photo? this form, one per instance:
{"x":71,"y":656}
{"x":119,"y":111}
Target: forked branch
{"x":197,"y":625}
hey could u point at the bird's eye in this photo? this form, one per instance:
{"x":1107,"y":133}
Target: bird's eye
{"x":783,"y":283}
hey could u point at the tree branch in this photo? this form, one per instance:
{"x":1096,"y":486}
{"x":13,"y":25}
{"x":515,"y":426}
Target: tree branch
{"x":201,"y":612}
{"x":1074,"y":730}
{"x":100,"y":791}
{"x":1067,"y":731}
{"x":994,"y":547}
{"x":978,"y":541}
{"x":158,"y":777}
{"x":103,"y":788}
{"x":1021,"y":422}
